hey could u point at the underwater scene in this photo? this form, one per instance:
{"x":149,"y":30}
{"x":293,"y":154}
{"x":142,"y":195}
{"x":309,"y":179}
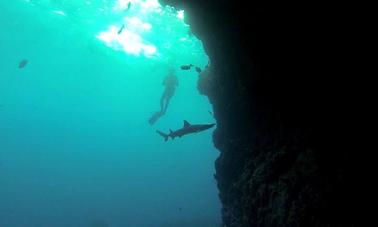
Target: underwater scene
{"x":101,"y":121}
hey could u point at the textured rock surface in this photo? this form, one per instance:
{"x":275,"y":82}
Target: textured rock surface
{"x":272,"y":85}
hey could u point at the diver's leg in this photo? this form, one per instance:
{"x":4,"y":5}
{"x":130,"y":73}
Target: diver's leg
{"x":162,"y":102}
{"x":167,"y":103}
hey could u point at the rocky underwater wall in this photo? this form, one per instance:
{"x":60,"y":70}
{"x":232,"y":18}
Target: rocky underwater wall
{"x":280,"y":162}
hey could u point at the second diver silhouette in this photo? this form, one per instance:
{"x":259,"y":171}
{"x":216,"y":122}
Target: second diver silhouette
{"x":170,"y":82}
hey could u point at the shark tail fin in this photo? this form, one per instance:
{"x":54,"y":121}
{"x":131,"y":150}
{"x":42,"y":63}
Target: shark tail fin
{"x":165,"y":136}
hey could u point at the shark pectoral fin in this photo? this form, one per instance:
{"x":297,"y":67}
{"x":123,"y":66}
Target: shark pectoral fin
{"x":186,"y":124}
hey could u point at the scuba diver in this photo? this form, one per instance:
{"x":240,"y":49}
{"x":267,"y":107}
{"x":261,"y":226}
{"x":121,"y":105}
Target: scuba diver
{"x":170,"y":82}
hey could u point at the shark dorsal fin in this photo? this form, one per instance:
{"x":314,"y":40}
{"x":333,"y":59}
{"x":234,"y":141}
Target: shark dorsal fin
{"x":170,"y":130}
{"x":186,"y":124}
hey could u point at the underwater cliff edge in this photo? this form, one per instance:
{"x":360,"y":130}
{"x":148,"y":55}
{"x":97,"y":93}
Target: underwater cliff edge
{"x":279,"y":87}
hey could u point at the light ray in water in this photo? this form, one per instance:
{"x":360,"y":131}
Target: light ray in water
{"x":131,"y":36}
{"x":59,"y":12}
{"x":127,"y":41}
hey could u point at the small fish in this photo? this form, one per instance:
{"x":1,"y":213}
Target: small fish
{"x":120,"y":30}
{"x":128,"y":6}
{"x":186,"y":67}
{"x":198,"y":69}
{"x":23,"y":63}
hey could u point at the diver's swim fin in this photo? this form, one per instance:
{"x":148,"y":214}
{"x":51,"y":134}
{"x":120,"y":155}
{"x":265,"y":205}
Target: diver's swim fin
{"x":155,"y":117}
{"x":163,"y":135}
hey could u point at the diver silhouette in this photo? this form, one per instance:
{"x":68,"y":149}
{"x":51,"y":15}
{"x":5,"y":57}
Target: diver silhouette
{"x":170,"y":82}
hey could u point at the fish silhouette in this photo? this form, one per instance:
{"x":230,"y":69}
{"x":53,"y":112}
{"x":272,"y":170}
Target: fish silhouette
{"x":121,"y":29}
{"x":23,"y":63}
{"x":186,"y":67}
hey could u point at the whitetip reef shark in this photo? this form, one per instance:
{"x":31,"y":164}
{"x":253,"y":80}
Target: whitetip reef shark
{"x":185,"y":130}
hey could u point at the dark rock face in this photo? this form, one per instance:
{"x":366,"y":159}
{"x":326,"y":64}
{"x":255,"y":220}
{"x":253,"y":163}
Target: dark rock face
{"x":272,"y":81}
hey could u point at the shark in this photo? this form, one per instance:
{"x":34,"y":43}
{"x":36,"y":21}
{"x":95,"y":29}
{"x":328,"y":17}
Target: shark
{"x":185,"y":130}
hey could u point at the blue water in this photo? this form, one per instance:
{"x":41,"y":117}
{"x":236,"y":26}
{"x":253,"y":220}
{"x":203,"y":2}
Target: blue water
{"x":76,"y":148}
